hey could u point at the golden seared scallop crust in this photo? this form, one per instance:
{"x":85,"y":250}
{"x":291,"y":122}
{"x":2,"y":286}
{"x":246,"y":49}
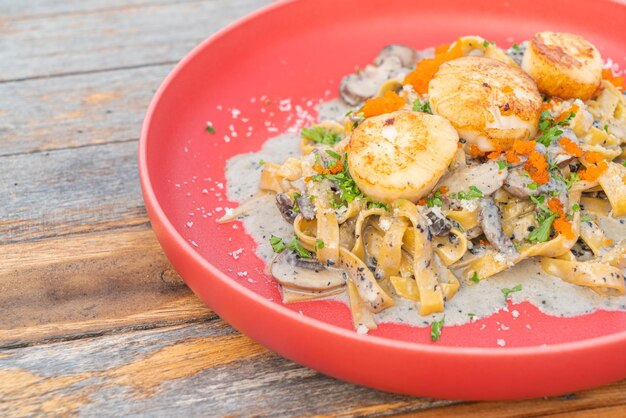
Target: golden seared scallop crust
{"x":490,"y":103}
{"x":563,"y":65}
{"x":400,"y":154}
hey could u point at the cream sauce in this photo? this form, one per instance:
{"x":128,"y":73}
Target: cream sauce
{"x":548,"y":293}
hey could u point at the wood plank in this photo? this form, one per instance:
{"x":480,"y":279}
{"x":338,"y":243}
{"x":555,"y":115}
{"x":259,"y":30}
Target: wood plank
{"x":196,"y":368}
{"x":606,"y":401}
{"x":38,"y":9}
{"x":209,"y":368}
{"x":70,"y":191}
{"x":112,"y":38}
{"x":90,"y":284}
{"x":39,"y":115}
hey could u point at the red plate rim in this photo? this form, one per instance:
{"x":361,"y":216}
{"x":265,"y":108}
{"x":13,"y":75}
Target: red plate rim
{"x":159,"y":218}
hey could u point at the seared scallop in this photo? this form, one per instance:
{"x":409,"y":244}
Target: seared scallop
{"x":563,"y":65}
{"x":401,"y":154}
{"x":490,"y":103}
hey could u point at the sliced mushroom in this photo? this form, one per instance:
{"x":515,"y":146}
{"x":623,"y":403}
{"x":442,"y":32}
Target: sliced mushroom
{"x":517,"y":184}
{"x":487,"y":177}
{"x":439,"y":224}
{"x":360,"y":86}
{"x":285,"y":206}
{"x":491,"y":224}
{"x":305,"y":273}
{"x":306,"y":206}
{"x":406,"y":55}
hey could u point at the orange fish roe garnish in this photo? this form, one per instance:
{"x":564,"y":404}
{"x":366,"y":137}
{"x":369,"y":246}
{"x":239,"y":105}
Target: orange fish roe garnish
{"x":475,"y":152}
{"x":617,"y":81}
{"x":537,"y":167}
{"x":570,"y":147}
{"x":596,"y":165}
{"x":555,"y":206}
{"x":564,"y":115}
{"x":443,"y":190}
{"x":390,"y":102}
{"x":333,"y":169}
{"x":495,"y":154}
{"x":561,"y":225}
{"x":511,"y":157}
{"x":426,"y":68}
{"x":523,"y":147}
{"x":421,"y":202}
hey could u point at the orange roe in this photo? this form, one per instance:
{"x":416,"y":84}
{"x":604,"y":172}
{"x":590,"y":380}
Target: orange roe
{"x":421,"y":202}
{"x":475,"y":152}
{"x":523,"y":147}
{"x":596,"y":165}
{"x":333,"y":169}
{"x":443,"y":190}
{"x":511,"y":157}
{"x":570,"y":147}
{"x":561,"y":224}
{"x":565,"y":114}
{"x":426,"y":68}
{"x":537,"y":167}
{"x":495,"y":154}
{"x":390,"y":102}
{"x":617,"y":81}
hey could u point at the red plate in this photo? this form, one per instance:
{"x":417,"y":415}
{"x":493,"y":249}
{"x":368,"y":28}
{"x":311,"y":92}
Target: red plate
{"x":299,"y":50}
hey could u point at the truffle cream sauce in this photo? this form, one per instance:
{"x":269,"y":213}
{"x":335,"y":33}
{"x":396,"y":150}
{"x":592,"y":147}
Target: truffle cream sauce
{"x":548,"y":293}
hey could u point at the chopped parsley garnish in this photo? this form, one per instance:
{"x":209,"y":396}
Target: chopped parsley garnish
{"x":549,"y":128}
{"x":506,"y":291}
{"x":319,"y":244}
{"x":473,"y":193}
{"x":320,"y":135}
{"x":277,"y":244}
{"x":382,"y":205}
{"x":435,"y":199}
{"x":296,"y":247}
{"x":502,"y":164}
{"x":539,"y":201}
{"x":475,"y":278}
{"x":348,"y":190}
{"x":486,"y":43}
{"x":606,"y":128}
{"x":586,"y":218}
{"x":542,"y":232}
{"x":533,"y":186}
{"x":435,"y":329}
{"x":210,"y":129}
{"x":573,"y":178}
{"x":575,"y":207}
{"x":296,"y":207}
{"x":515,"y":47}
{"x":471,"y":315}
{"x":261,"y":162}
{"x":333,"y":154}
{"x":419,"y":106}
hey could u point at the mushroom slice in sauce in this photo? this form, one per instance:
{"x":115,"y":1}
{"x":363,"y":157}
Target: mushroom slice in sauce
{"x":305,"y":273}
{"x":491,"y":224}
{"x":487,"y":177}
{"x":407,"y":55}
{"x":307,"y":208}
{"x":517,"y":184}
{"x":439,"y":224}
{"x":285,"y":207}
{"x":360,"y":86}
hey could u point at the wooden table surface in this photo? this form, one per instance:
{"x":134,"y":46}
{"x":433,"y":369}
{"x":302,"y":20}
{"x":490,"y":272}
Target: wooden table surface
{"x":94,"y":320}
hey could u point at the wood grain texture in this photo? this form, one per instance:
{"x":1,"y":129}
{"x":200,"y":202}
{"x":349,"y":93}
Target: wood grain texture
{"x":66,"y":192}
{"x":40,"y":115}
{"x":203,"y":369}
{"x":210,"y":369}
{"x":122,"y":37}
